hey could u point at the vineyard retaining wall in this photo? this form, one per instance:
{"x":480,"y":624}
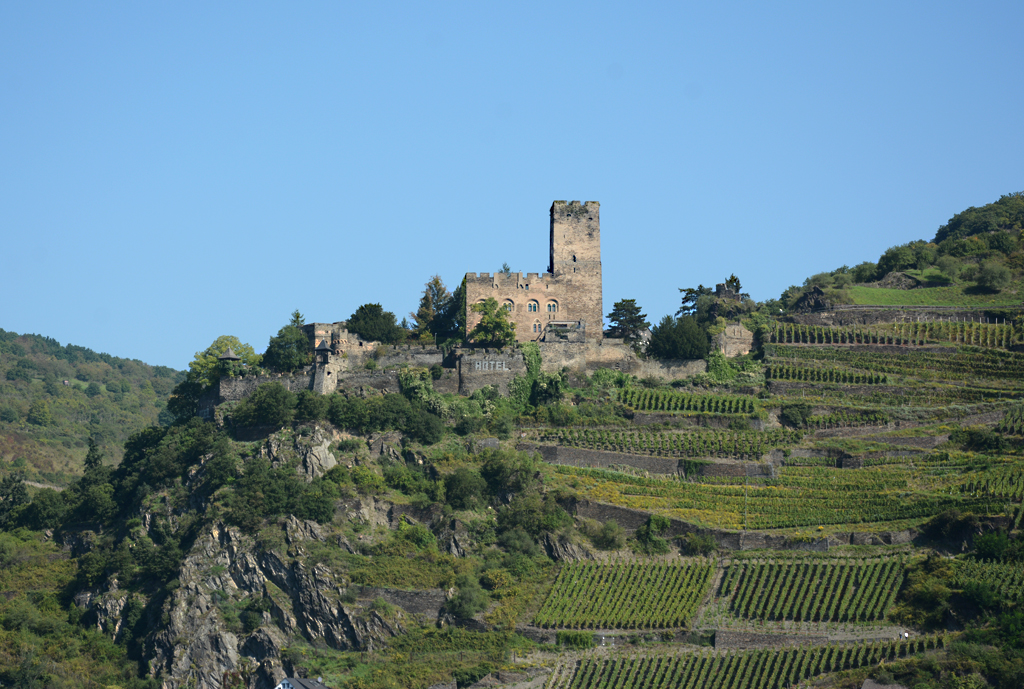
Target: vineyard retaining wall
{"x":631,"y":520}
{"x":749,"y":470}
{"x":695,"y":419}
{"x":579,"y":457}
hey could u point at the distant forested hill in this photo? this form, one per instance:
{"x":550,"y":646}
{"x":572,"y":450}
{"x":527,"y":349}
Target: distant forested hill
{"x":53,"y":398}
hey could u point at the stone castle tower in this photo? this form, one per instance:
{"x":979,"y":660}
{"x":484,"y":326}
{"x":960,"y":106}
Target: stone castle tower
{"x":567,"y":298}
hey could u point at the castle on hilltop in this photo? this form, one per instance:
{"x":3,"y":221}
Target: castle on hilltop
{"x":562,"y":310}
{"x":565,"y":301}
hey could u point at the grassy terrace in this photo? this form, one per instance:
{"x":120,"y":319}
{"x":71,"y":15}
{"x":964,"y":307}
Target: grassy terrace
{"x":946,"y":295}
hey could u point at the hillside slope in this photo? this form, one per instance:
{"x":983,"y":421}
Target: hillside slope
{"x":53,"y":398}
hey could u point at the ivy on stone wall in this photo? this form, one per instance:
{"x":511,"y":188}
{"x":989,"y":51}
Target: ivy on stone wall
{"x":520,"y":387}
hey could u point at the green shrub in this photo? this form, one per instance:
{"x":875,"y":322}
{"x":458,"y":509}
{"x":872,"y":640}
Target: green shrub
{"x":578,"y":640}
{"x":367,"y":481}
{"x":698,"y":544}
{"x":311,"y":406}
{"x":408,"y":481}
{"x":795,"y":414}
{"x":647,"y":536}
{"x":994,"y":276}
{"x":464,"y":489}
{"x":608,"y":536}
{"x":269,"y":405}
{"x":469,"y":599}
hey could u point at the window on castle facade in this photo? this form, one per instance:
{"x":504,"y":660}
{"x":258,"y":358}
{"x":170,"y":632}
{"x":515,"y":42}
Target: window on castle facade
{"x":552,"y":307}
{"x":533,"y":307}
{"x":508,"y":306}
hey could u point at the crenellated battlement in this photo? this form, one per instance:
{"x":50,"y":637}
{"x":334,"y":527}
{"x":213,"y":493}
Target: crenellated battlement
{"x":565,"y":210}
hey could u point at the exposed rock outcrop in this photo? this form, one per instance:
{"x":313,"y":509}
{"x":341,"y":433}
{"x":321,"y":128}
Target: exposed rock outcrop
{"x":239,"y":604}
{"x":564,"y":551}
{"x":317,"y":459}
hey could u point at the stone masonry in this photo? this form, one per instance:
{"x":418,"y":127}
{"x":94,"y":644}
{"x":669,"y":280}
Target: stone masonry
{"x":568,"y":295}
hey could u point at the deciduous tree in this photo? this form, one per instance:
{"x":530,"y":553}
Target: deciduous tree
{"x":494,"y":328}
{"x":205,"y":369}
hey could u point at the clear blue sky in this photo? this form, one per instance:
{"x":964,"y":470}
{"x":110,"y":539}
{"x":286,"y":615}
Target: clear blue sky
{"x":172,"y":172}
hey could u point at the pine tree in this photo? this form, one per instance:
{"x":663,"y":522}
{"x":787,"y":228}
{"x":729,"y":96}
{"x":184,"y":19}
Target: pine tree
{"x":93,"y":458}
{"x":627,"y":321}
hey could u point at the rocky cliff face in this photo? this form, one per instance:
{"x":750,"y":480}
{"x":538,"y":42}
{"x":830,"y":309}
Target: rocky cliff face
{"x":241,"y":603}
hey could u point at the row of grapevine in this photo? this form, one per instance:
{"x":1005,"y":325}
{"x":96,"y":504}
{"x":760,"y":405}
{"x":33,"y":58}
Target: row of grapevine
{"x":797,"y":497}
{"x":1007,"y":481}
{"x":961,"y":364}
{"x":633,"y":595}
{"x":750,"y":444}
{"x":771,"y":668}
{"x":667,"y":400}
{"x":1006,"y":577}
{"x":813,"y":591}
{"x":1013,"y":421}
{"x":915,"y":334}
{"x":824,"y":375}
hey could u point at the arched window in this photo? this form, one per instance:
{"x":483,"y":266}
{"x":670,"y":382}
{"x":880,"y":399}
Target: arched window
{"x":509,"y":306}
{"x":537,"y":327}
{"x":533,"y":307}
{"x":552,"y":307}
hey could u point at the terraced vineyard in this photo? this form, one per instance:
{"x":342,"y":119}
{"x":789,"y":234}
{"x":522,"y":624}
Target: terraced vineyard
{"x":814,"y":591}
{"x":634,"y":595}
{"x":915,"y":334}
{"x":1006,"y":577}
{"x":824,"y":375}
{"x":962,"y":363}
{"x":760,"y":669}
{"x":701,"y":444}
{"x":665,"y":400}
{"x":797,"y":497}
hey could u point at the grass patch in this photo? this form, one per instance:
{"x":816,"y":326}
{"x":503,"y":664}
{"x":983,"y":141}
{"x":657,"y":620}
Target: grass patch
{"x":951,"y":295}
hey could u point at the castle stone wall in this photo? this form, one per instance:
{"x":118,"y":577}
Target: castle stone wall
{"x":479,"y":368}
{"x":612,"y":353}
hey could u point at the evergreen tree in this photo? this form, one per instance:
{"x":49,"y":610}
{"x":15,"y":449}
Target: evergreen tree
{"x":627,"y":321}
{"x":678,"y":338}
{"x":373,"y":323}
{"x":13,"y":494}
{"x":450,"y":323}
{"x":290,"y":349}
{"x":433,"y":303}
{"x":93,"y":458}
{"x":690,"y":297}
